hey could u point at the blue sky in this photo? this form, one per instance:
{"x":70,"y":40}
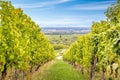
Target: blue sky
{"x":64,"y":13}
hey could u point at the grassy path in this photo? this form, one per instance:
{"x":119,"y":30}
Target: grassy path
{"x":59,"y":70}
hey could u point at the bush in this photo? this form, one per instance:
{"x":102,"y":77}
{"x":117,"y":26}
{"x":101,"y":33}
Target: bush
{"x":59,"y":46}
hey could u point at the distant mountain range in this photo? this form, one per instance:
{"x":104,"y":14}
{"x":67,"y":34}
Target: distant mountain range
{"x":65,"y":30}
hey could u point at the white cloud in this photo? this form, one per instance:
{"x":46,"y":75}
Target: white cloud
{"x":70,"y":21}
{"x":93,"y":6}
{"x":66,"y":22}
{"x":41,"y":4}
{"x":65,"y":25}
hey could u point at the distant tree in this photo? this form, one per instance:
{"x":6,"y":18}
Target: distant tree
{"x":118,"y":1}
{"x":60,"y":36}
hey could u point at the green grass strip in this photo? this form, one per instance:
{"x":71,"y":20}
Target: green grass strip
{"x":61,"y":70}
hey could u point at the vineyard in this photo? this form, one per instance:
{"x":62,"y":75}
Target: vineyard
{"x":98,"y":52}
{"x":24,"y":48}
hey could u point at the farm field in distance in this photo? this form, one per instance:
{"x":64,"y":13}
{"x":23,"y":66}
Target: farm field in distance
{"x":63,"y":37}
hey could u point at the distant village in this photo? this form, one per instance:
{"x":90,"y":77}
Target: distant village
{"x":66,"y":30}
